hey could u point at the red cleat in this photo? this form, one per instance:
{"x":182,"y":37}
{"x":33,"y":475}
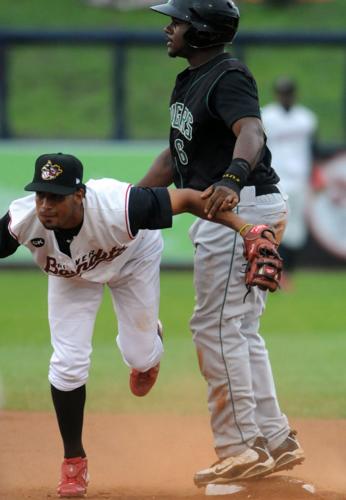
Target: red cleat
{"x":142,"y":382}
{"x":74,"y":478}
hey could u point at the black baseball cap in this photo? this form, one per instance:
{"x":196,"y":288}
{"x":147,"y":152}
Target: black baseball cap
{"x":57,"y":173}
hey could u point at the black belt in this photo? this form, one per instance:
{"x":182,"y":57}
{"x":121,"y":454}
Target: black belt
{"x":266,"y":189}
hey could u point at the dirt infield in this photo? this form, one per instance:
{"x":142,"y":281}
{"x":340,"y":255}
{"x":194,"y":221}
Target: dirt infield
{"x":154,"y":457}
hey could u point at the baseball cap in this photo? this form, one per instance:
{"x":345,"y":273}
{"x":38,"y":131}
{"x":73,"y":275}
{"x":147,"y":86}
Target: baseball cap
{"x":57,"y":173}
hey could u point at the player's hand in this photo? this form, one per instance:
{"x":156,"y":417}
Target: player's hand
{"x":219,"y":198}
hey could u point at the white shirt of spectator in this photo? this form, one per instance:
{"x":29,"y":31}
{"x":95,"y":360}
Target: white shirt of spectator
{"x":289,"y":136}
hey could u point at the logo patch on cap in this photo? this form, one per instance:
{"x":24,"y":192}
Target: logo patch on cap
{"x":50,"y":172}
{"x":37,"y":242}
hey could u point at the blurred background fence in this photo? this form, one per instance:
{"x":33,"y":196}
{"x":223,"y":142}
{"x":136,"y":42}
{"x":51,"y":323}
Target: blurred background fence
{"x":53,"y":52}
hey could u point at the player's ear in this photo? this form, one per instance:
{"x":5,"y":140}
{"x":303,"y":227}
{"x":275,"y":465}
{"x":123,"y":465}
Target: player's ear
{"x":79,"y":194}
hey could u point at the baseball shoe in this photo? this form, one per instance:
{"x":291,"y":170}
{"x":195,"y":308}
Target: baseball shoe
{"x":288,"y":454}
{"x":74,"y":478}
{"x":252,"y":463}
{"x":142,"y":382}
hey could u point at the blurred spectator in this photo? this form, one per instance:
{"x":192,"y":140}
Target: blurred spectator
{"x":291,"y":132}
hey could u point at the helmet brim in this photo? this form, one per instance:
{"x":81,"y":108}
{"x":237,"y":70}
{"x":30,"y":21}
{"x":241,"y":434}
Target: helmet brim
{"x":169,"y":10}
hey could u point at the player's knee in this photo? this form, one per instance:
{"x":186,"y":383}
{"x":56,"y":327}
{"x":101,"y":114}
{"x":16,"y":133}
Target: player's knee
{"x":144,"y":357}
{"x":140,"y":361}
{"x":68,"y":376}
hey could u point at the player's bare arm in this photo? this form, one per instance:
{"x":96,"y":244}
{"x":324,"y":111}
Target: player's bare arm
{"x":224,"y":195}
{"x":189,"y":200}
{"x":160,"y":173}
{"x":154,"y":208}
{"x":250,"y":139}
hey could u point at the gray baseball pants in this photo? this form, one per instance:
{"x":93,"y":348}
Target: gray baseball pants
{"x":232,"y":354}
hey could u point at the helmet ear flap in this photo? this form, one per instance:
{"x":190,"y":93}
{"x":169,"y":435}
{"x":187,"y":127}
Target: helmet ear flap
{"x":199,"y":39}
{"x":213,"y":22}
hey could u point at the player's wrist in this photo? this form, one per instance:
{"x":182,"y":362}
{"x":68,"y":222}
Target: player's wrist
{"x":236,"y":175}
{"x":245,"y":228}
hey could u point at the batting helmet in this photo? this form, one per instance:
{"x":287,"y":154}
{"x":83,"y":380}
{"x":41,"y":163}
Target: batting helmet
{"x":213,"y":22}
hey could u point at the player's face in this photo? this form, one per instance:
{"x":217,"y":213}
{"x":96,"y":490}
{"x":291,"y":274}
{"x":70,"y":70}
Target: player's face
{"x":57,"y":211}
{"x":176,"y":45}
{"x":286,"y":98}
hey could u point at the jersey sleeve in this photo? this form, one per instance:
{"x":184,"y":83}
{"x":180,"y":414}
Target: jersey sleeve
{"x":234,"y":96}
{"x":149,"y":208}
{"x":8,"y":244}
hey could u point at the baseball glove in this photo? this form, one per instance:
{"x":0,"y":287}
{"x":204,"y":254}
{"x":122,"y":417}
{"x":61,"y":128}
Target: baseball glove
{"x":264,"y":264}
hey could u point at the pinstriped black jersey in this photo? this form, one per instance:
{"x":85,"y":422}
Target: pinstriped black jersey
{"x":205,"y":103}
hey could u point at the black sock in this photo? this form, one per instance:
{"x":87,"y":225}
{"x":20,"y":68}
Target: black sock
{"x":69,"y":408}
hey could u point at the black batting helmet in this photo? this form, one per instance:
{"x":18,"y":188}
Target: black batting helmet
{"x":213,"y":22}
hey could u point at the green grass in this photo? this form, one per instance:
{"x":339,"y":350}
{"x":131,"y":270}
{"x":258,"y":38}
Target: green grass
{"x":65,"y":91}
{"x":304,"y":331}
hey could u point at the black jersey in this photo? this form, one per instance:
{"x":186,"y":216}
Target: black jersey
{"x":205,"y":103}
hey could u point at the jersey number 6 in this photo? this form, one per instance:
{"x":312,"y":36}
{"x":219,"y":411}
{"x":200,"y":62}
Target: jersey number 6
{"x":179,"y":147}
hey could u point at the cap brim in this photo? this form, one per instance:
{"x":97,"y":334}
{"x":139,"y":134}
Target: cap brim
{"x":51,"y":188}
{"x":168,"y":10}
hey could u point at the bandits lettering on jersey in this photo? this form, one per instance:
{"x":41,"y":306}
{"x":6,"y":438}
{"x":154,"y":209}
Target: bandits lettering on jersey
{"x":182,"y":119}
{"x":83,"y":264}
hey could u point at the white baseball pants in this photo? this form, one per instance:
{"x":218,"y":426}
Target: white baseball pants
{"x":73,"y":305}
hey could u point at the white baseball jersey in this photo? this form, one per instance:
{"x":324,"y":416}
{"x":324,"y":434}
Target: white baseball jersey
{"x":289,"y":139}
{"x":289,"y":136}
{"x":103,"y":243}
